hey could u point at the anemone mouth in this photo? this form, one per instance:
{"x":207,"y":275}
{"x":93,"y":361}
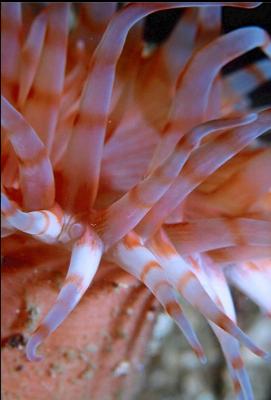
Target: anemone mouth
{"x":106,"y":144}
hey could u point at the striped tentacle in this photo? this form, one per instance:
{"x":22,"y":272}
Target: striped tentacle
{"x":179,"y":47}
{"x":30,"y":56}
{"x":182,"y":277}
{"x":124,"y":214}
{"x":36,"y":173}
{"x":213,"y":280}
{"x":237,"y":85}
{"x":6,"y":228}
{"x":132,"y":255}
{"x":209,"y":25}
{"x":45,"y":225}
{"x":251,"y":183}
{"x":41,"y":108}
{"x":236,"y":254}
{"x":254,"y":281}
{"x":214,"y":233}
{"x":89,"y":130}
{"x":188,"y":110}
{"x":93,"y":19}
{"x":202,"y":163}
{"x":69,"y":103}
{"x":85,"y":259}
{"x":11,"y":29}
{"x":10,"y":167}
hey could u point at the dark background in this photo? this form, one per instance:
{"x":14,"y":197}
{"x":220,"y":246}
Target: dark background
{"x":158,"y":27}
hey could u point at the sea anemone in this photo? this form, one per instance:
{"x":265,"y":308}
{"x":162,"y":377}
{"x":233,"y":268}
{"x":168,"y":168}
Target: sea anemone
{"x":140,"y":156}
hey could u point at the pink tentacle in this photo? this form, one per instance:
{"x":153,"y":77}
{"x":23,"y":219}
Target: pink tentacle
{"x":188,"y":110}
{"x":42,"y":106}
{"x":236,"y":254}
{"x":209,"y":234}
{"x":125,"y":214}
{"x":180,"y":275}
{"x":89,"y":130}
{"x":30,"y":56}
{"x":251,"y":183}
{"x":212,"y":277}
{"x":36,"y":174}
{"x":248,"y":276}
{"x":203,"y":162}
{"x":11,"y":22}
{"x":140,"y":262}
{"x":85,"y":259}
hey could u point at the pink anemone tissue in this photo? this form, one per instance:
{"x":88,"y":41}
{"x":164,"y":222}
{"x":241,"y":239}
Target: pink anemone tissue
{"x":121,"y":154}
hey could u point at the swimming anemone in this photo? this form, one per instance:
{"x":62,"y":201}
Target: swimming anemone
{"x":139,"y":155}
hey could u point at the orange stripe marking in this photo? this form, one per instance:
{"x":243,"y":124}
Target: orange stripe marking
{"x":43,"y":331}
{"x":223,"y":322}
{"x":162,"y":247}
{"x":33,"y":161}
{"x":147,"y":267}
{"x":135,"y":198}
{"x":188,"y":276}
{"x":237,"y":363}
{"x":172,"y":307}
{"x":76,"y":280}
{"x":160,"y":284}
{"x":131,"y":241}
{"x":47,"y":223}
{"x":163,"y":179}
{"x":45,"y":98}
{"x":236,"y":386}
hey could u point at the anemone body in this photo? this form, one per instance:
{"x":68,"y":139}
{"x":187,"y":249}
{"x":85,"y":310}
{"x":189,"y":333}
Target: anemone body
{"x":119,"y":153}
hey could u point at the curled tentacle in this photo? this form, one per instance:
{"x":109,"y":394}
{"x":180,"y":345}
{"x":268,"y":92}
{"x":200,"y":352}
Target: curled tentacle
{"x":85,"y":259}
{"x":45,"y":225}
{"x":189,"y":110}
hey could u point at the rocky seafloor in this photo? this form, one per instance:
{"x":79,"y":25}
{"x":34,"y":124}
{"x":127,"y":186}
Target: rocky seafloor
{"x":173,"y":372}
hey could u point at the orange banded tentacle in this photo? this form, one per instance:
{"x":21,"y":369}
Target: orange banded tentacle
{"x":30,"y":56}
{"x":46,"y":225}
{"x":250,"y":183}
{"x":124,"y":214}
{"x":85,"y":259}
{"x":36,"y":173}
{"x":183,"y":38}
{"x":89,"y":130}
{"x":189,"y":111}
{"x":247,"y":79}
{"x":235,"y":254}
{"x":42,"y":106}
{"x":140,"y":262}
{"x":184,"y":279}
{"x":203,"y":162}
{"x":231,"y":349}
{"x":209,"y":25}
{"x":214,"y":233}
{"x":253,"y":281}
{"x":11,"y":31}
{"x":213,"y":280}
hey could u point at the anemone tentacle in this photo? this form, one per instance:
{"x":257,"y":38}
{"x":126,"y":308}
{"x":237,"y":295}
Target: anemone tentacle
{"x":142,"y":154}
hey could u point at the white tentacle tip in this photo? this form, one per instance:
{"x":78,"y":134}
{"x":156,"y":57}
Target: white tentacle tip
{"x":201,"y":355}
{"x":31,"y":348}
